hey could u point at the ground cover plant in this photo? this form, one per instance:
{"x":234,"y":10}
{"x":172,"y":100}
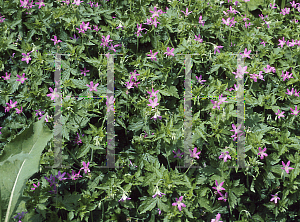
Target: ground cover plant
{"x":148,"y":107}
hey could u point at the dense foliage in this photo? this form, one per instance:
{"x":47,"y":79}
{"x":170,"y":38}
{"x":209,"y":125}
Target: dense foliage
{"x":150,"y":137}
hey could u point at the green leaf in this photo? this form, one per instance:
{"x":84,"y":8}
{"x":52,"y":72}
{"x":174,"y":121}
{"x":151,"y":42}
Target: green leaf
{"x":188,"y":213}
{"x":19,"y":161}
{"x":148,"y":205}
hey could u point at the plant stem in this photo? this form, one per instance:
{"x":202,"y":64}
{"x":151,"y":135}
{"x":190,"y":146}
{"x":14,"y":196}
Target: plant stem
{"x":137,"y":45}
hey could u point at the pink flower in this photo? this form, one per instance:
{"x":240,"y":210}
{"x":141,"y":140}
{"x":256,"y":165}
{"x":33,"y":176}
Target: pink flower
{"x":194,"y":154}
{"x":286,"y":167}
{"x":74,"y":37}
{"x":53,"y":94}
{"x":201,"y":21}
{"x":153,"y":93}
{"x":18,"y":111}
{"x":153,"y":103}
{"x":281,"y":42}
{"x":187,"y":12}
{"x":155,"y":117}
{"x":227,"y":21}
{"x":10,"y":105}
{"x":129,"y":85}
{"x":219,"y":186}
{"x":275,"y":198}
{"x":159,"y":211}
{"x":84,"y":71}
{"x":270,"y":69}
{"x":280,"y":114}
{"x":1,"y":128}
{"x":96,"y":28}
{"x":222,"y":100}
{"x":77,"y":2}
{"x":240,"y":72}
{"x":225,"y":156}
{"x":262,"y":153}
{"x":155,"y":22}
{"x":74,"y":176}
{"x":236,"y":136}
{"x":287,"y":76}
{"x":55,"y":40}
{"x":156,"y":12}
{"x":198,"y":39}
{"x":153,"y":56}
{"x":295,"y":112}
{"x":134,"y":75}
{"x":139,"y":27}
{"x":236,"y":130}
{"x":149,"y":22}
{"x":272,"y":6}
{"x":112,"y":47}
{"x":35,"y":186}
{"x":296,"y":93}
{"x":105,"y":40}
{"x":246,"y":54}
{"x":217,"y":218}
{"x":217,"y":49}
{"x":260,"y":76}
{"x":81,"y":29}
{"x":85,"y":26}
{"x":223,"y":197}
{"x":215,"y":103}
{"x":199,"y":79}
{"x":92,"y":86}
{"x":40,"y":3}
{"x":85,"y":167}
{"x":254,"y":77}
{"x":110,"y":104}
{"x":6,"y":77}
{"x":26,"y":57}
{"x":178,"y":203}
{"x":169,"y":52}
{"x":67,"y":2}
{"x":22,"y":79}
{"x":178,"y":154}
{"x":263,"y":43}
{"x":290,"y":92}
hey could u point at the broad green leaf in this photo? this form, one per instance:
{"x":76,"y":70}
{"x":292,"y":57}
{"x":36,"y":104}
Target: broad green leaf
{"x":19,"y":161}
{"x":148,"y":205}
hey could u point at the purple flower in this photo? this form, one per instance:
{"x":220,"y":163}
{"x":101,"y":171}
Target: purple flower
{"x":199,"y":79}
{"x":92,"y":86}
{"x":194,"y":154}
{"x":51,"y":180}
{"x":286,"y":167}
{"x":6,"y":77}
{"x":198,"y":39}
{"x":53,"y":94}
{"x":225,"y":156}
{"x":155,"y":116}
{"x":134,"y":75}
{"x":22,"y":79}
{"x":281,"y":42}
{"x":158,"y":193}
{"x":77,"y":139}
{"x":26,"y":57}
{"x":39,"y":112}
{"x":223,"y":197}
{"x":40,"y":3}
{"x":74,"y":37}
{"x":178,"y":154}
{"x":275,"y":198}
{"x":216,"y":104}
{"x":178,"y":203}
{"x":217,"y":218}
{"x":74,"y":176}
{"x":262,"y":153}
{"x":84,"y":71}
{"x":149,"y":22}
{"x":96,"y":28}
{"x":219,"y":186}
{"x":10,"y":105}
{"x":287,"y":76}
{"x":155,"y":22}
{"x":85,"y":26}
{"x":81,"y":29}
{"x":280,"y":114}
{"x":153,"y":103}
{"x":85,"y":167}
{"x":20,"y":215}
{"x":222,"y":100}
{"x":67,"y":2}
{"x":112,"y":47}
{"x":124,"y":198}
{"x":129,"y":85}
{"x":61,"y":176}
{"x":153,"y":56}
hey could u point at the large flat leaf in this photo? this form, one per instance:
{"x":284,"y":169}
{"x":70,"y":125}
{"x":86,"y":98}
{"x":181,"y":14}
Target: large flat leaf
{"x":19,"y":161}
